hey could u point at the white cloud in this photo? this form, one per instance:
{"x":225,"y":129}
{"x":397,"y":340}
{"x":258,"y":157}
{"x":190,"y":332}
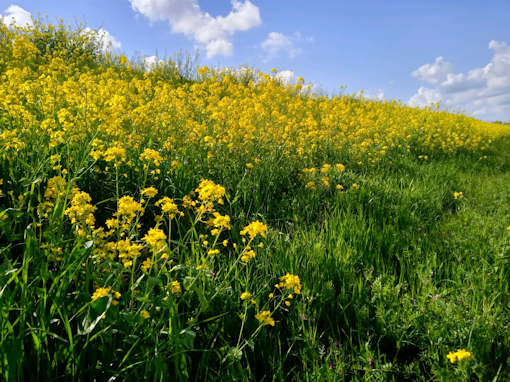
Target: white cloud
{"x":219,"y":46}
{"x":424,"y":97}
{"x":18,"y":15}
{"x":186,"y":17}
{"x":483,"y":92}
{"x":375,"y":96}
{"x":105,"y":39}
{"x":433,"y":73}
{"x":151,"y":62}
{"x":277,"y":43}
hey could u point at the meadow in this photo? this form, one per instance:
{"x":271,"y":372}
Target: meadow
{"x":193,"y":223}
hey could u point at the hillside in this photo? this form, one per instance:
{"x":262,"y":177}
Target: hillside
{"x":203,"y":224}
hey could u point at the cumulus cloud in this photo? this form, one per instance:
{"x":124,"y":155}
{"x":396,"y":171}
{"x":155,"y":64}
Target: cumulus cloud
{"x":433,"y":73}
{"x":151,"y":62}
{"x":106,"y":41}
{"x":17,"y":15}
{"x":212,"y":33}
{"x":277,"y":43}
{"x":375,"y":96}
{"x":482,"y":92}
{"x":424,"y":97}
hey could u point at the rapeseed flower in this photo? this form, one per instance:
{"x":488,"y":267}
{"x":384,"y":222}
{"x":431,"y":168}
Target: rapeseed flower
{"x":459,"y":355}
{"x":168,"y":206}
{"x":265,"y":318}
{"x":245,"y":296}
{"x":146,"y":265}
{"x":292,"y":282}
{"x":151,"y":155}
{"x":155,"y":238}
{"x":255,"y":228}
{"x":175,"y":287}
{"x":149,"y":192}
{"x":128,"y":208}
{"x":145,"y":315}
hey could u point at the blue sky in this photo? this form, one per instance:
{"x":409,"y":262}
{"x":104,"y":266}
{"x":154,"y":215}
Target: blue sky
{"x":415,"y":51}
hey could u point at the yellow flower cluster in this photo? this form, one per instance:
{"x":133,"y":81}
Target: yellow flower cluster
{"x":247,"y":254}
{"x":167,"y":206}
{"x":127,"y":251}
{"x":255,"y":228}
{"x":149,"y":192}
{"x":103,"y":292}
{"x":265,"y":318}
{"x":151,"y":155}
{"x":146,"y":265}
{"x":155,"y":238}
{"x":175,"y":287}
{"x":458,"y":195}
{"x":115,"y":154}
{"x":245,"y":295}
{"x":128,"y":208}
{"x":459,"y":355}
{"x":81,"y":212}
{"x":219,"y":222}
{"x":291,"y":282}
{"x":322,"y":177}
{"x":56,"y":187}
{"x":208,"y":190}
{"x":118,"y":111}
{"x":145,"y":314}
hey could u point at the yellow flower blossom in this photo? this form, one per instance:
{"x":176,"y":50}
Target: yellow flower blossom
{"x":101,"y":292}
{"x":115,"y":154}
{"x":146,"y":265}
{"x":175,"y":287}
{"x":459,"y":355}
{"x":155,"y":238}
{"x":149,"y":192}
{"x":128,"y":208}
{"x":151,"y":155}
{"x":292,"y":282}
{"x":245,"y":296}
{"x":167,"y":206}
{"x":81,"y":211}
{"x":265,"y":318}
{"x":219,"y":221}
{"x":325,"y":168}
{"x":55,"y":188}
{"x":255,"y":228}
{"x":145,"y":315}
{"x":310,"y":186}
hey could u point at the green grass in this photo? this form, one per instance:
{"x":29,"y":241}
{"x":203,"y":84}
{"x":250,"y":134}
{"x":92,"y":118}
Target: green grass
{"x":395,"y":275}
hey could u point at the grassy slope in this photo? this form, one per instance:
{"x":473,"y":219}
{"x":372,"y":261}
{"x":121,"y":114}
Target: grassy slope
{"x":399,"y":269}
{"x":395,"y":275}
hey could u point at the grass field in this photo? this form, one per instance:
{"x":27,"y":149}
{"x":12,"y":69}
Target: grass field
{"x":205,"y":224}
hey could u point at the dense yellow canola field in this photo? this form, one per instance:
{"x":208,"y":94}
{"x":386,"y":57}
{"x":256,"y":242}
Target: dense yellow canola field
{"x":50,"y":95}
